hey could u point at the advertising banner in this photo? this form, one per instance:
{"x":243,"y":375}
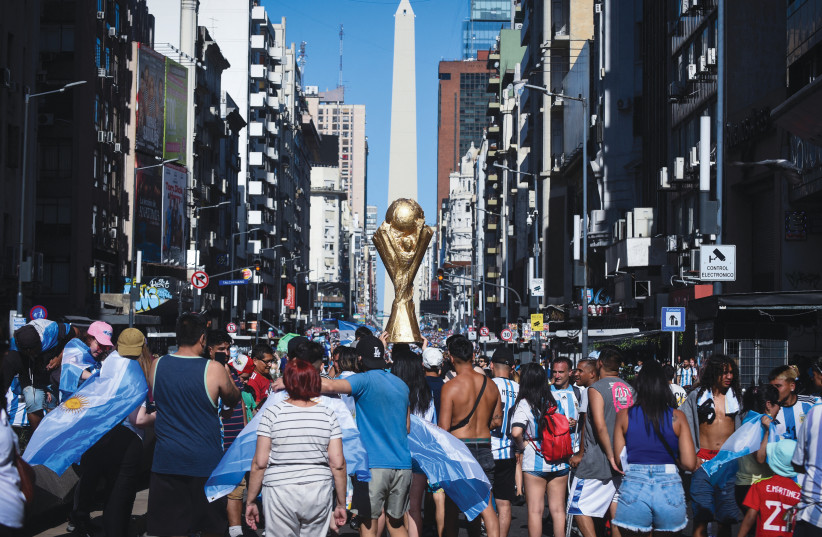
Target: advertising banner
{"x":290,"y":295}
{"x":150,"y":102}
{"x":148,"y":218}
{"x":174,"y":189}
{"x":176,"y":112}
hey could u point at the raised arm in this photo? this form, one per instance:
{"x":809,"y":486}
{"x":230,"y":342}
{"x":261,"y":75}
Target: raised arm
{"x":334,"y":386}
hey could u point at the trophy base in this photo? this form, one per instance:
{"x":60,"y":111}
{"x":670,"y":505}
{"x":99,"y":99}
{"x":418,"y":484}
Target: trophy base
{"x":402,"y":325}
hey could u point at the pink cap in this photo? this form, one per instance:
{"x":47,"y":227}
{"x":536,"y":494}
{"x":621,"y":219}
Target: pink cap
{"x":102,"y":332}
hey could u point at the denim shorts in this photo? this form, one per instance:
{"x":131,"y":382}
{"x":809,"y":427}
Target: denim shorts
{"x":651,"y":498}
{"x":35,"y":399}
{"x":714,"y":498}
{"x":548,"y":476}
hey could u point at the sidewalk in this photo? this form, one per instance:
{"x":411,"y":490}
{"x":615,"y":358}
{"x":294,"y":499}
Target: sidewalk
{"x":138,"y":521}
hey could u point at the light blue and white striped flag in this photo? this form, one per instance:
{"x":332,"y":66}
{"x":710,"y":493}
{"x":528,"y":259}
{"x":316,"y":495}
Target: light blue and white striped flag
{"x":744,"y":441}
{"x":447,"y":461}
{"x":237,"y":460}
{"x":16,"y":405}
{"x":81,"y":420}
{"x":76,"y":359}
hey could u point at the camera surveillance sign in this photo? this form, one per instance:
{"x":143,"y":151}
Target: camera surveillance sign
{"x":717,"y":263}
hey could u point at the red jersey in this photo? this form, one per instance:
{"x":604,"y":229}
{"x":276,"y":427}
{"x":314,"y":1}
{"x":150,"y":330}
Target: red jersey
{"x":773,"y":497}
{"x":260,"y":385}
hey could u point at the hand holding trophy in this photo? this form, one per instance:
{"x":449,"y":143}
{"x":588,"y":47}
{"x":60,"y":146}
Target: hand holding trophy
{"x":401,"y":242}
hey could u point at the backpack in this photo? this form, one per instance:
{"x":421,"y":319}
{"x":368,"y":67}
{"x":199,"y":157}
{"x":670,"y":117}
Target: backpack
{"x":556,"y":436}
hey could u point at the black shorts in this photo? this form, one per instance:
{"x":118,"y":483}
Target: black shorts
{"x":177,"y":505}
{"x":505,"y":479}
{"x":482,"y":452}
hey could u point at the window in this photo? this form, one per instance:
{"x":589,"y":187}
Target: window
{"x":54,"y":211}
{"x":56,"y":277}
{"x":96,"y":169}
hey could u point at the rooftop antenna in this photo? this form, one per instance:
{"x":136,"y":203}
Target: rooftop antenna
{"x":340,"y":82}
{"x":301,"y":59}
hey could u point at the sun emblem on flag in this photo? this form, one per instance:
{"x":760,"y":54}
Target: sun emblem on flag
{"x":75,"y":404}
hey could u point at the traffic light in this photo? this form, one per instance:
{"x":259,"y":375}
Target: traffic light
{"x":257,"y":266}
{"x":440,"y":275}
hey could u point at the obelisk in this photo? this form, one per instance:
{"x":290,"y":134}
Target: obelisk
{"x":402,"y":156}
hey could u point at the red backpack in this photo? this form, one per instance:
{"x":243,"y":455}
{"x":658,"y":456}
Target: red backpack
{"x":556,"y":436}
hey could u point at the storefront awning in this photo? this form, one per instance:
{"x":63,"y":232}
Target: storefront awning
{"x":709,"y":307}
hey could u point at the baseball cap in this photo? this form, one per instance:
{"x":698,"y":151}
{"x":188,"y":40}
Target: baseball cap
{"x":27,"y":337}
{"x":780,"y":455}
{"x":432,"y":358}
{"x":130,"y":342}
{"x":372,"y":352}
{"x":102,"y":332}
{"x":242,"y":364}
{"x":294,"y":342}
{"x":503,"y":355}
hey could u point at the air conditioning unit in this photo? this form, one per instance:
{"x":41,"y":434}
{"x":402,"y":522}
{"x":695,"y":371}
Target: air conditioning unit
{"x":686,"y":5}
{"x":124,"y":38}
{"x":693,"y":157}
{"x":672,"y":243}
{"x":664,"y":182}
{"x":101,"y":15}
{"x":101,"y":136}
{"x":691,"y":71}
{"x":102,"y":73}
{"x":112,"y":32}
{"x":6,"y":78}
{"x":598,"y":7}
{"x":711,"y":56}
{"x":679,"y":168}
{"x":118,"y":148}
{"x":703,"y":64}
{"x":110,"y":137}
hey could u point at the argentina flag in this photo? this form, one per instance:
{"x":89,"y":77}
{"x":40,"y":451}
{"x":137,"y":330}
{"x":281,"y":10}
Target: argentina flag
{"x":50,"y":333}
{"x":744,"y":441}
{"x":347,"y":332}
{"x":446,"y":460}
{"x":81,"y":420}
{"x":237,"y":460}
{"x":76,"y":359}
{"x":16,"y":405}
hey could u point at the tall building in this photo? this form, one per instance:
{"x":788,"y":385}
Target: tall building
{"x":461,"y":114}
{"x":346,"y":122}
{"x":327,"y":233}
{"x":482,"y":27}
{"x":370,"y":299}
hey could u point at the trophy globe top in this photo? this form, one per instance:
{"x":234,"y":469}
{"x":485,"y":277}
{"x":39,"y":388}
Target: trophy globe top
{"x":404,"y":215}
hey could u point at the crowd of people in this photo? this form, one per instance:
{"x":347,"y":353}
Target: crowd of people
{"x":607,"y":455}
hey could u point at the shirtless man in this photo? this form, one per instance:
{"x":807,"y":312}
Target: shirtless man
{"x":713,"y":411}
{"x":470,"y":407}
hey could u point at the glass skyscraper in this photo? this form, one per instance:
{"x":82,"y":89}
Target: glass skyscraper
{"x":482,"y":28}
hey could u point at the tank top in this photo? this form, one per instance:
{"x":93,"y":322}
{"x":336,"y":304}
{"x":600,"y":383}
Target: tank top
{"x":616,"y":395}
{"x":188,"y":429}
{"x":642,"y":442}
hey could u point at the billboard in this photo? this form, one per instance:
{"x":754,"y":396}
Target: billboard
{"x":174,"y":190}
{"x":150,"y":101}
{"x":148,"y":213}
{"x":290,"y":295}
{"x":176,"y":112}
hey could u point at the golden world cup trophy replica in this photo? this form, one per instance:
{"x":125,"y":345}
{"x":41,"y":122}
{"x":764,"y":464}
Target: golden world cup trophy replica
{"x":402,"y":241}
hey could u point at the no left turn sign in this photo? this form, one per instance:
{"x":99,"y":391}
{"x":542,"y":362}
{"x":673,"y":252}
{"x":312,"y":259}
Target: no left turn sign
{"x":199,"y":279}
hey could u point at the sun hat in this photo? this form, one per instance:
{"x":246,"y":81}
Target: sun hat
{"x":130,"y":342}
{"x":102,"y":332}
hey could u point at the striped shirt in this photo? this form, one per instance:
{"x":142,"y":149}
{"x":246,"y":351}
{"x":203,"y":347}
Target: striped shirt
{"x":531,"y":460}
{"x":501,"y":438}
{"x":687,"y":376}
{"x":790,"y":418}
{"x":299,"y":443}
{"x":808,"y":454}
{"x":567,"y":400}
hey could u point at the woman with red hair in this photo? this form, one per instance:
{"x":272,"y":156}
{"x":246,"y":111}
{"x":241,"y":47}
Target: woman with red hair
{"x":299,"y":449}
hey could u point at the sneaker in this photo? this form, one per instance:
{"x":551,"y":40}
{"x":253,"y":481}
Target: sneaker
{"x":70,"y":527}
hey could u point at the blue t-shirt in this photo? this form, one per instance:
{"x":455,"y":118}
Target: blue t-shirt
{"x":382,"y":406}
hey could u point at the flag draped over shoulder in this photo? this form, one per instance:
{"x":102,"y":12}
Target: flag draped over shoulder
{"x":237,"y":460}
{"x":447,"y":461}
{"x":49,"y":332}
{"x":16,"y":405}
{"x":81,"y":420}
{"x":76,"y":359}
{"x":744,"y":441}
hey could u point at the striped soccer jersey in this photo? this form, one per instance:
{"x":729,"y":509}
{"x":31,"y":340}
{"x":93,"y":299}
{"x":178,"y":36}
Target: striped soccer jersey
{"x":501,"y":443}
{"x":531,"y":460}
{"x":567,"y":400}
{"x":808,"y":454}
{"x":790,"y":418}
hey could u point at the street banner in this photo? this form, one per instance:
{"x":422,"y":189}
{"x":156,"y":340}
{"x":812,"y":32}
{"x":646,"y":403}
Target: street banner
{"x":176,"y":112}
{"x":290,"y":301}
{"x":148,"y":218}
{"x":174,"y":188}
{"x":150,"y":101}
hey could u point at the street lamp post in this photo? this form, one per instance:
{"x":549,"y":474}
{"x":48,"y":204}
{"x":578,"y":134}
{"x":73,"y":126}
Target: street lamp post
{"x":584,"y":102}
{"x":197,"y":242}
{"x":28,"y":98}
{"x":134,"y":291}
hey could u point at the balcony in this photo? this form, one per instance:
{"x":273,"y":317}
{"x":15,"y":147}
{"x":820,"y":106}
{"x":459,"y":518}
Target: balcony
{"x":258,"y":13}
{"x":275,"y":53}
{"x":258,"y":71}
{"x":272,"y":153}
{"x":492,"y":250}
{"x":256,"y":100}
{"x":492,"y":177}
{"x":493,"y":131}
{"x":255,"y":188}
{"x":271,"y":204}
{"x":271,"y":178}
{"x":258,"y":42}
{"x":255,"y":128}
{"x":493,"y":84}
{"x":492,"y":202}
{"x":255,"y":218}
{"x":493,"y":275}
{"x":273,"y":128}
{"x":273,"y":103}
{"x":493,"y":109}
{"x":255,"y":158}
{"x":275,"y":78}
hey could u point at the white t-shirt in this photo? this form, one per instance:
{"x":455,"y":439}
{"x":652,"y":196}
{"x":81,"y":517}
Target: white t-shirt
{"x":299,"y":443}
{"x":531,"y":460}
{"x":12,"y":501}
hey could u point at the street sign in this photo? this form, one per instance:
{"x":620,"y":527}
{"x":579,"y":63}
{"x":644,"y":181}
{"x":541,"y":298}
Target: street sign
{"x":247,"y":274}
{"x":537,"y":287}
{"x":673,"y":319}
{"x":38,"y":312}
{"x":199,"y":279}
{"x":233,"y":282}
{"x":484,"y":331}
{"x":472,"y":334}
{"x":506,"y":335}
{"x":231,"y":328}
{"x":717,"y":263}
{"x":537,"y":322}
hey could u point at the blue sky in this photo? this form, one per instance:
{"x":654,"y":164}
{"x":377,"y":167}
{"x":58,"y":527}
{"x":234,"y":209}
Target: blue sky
{"x":368,"y":47}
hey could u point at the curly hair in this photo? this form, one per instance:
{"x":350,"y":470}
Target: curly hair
{"x":713,"y":369}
